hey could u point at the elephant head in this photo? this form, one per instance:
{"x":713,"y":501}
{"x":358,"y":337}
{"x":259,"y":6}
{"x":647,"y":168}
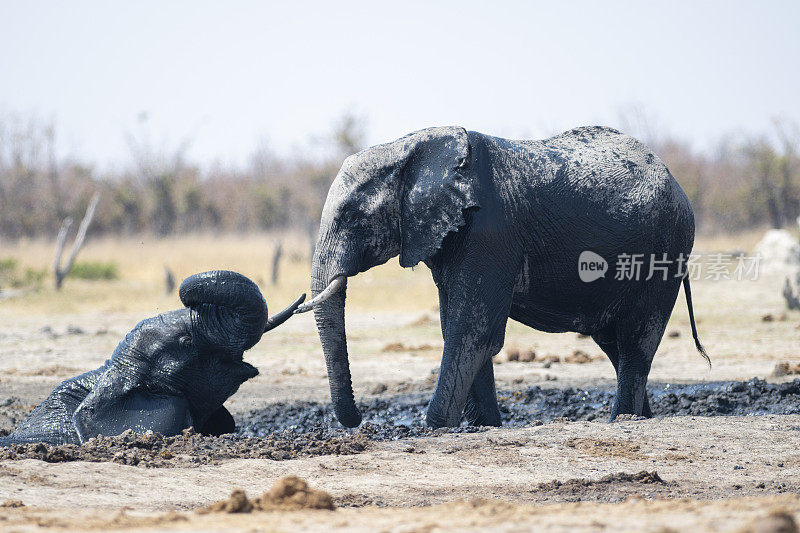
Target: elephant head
{"x":400,"y":198}
{"x":175,"y":370}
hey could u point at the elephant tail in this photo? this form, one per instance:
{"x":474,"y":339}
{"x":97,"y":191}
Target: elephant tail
{"x":688,"y":290}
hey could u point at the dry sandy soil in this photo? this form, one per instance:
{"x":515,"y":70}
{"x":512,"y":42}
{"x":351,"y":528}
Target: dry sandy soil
{"x":573,"y":472}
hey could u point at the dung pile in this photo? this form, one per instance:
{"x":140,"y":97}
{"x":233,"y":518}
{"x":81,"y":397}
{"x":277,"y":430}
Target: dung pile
{"x":287,"y":494}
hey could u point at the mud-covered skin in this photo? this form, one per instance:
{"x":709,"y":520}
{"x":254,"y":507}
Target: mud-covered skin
{"x":501,"y":224}
{"x":171,"y":372}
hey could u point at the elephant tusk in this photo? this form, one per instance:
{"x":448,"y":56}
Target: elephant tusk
{"x":335,"y":284}
{"x":276,"y":320}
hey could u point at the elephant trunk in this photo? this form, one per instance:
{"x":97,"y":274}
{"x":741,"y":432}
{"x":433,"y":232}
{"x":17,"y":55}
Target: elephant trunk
{"x":329,"y":315}
{"x":228,"y":307}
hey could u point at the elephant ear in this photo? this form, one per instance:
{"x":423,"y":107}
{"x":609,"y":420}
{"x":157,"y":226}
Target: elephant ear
{"x":110,"y":409}
{"x":436,"y":190}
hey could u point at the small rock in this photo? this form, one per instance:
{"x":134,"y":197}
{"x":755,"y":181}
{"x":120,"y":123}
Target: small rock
{"x":785,"y":368}
{"x":378,"y":388}
{"x":579,"y":357}
{"x":674,"y":334}
{"x":394,"y":347}
{"x":512,"y":354}
{"x":47,"y":331}
{"x":12,"y":503}
{"x":627,"y":417}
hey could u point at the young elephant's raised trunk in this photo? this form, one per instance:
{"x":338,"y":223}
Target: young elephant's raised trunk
{"x":330,"y":325}
{"x":230,"y":307}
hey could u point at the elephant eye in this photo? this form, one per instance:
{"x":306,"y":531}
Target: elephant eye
{"x":185,"y":341}
{"x":347,"y":217}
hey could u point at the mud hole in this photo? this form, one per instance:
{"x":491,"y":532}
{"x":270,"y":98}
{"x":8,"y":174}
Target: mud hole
{"x":403,"y":415}
{"x":304,"y":429}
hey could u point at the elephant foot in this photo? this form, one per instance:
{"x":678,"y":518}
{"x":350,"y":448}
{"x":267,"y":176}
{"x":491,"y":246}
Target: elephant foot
{"x":485,"y":421}
{"x":617,"y":410}
{"x":434,"y":421}
{"x":482,"y":415}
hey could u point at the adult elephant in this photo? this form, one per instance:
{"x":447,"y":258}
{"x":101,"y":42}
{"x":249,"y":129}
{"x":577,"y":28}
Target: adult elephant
{"x":502,"y":224}
{"x":171,"y":372}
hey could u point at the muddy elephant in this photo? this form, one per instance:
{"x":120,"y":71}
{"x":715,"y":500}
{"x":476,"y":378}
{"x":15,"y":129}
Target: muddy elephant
{"x":171,"y":372}
{"x":502,"y":225}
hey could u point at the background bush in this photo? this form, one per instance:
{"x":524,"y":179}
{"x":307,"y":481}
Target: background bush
{"x":745,"y":182}
{"x":94,"y":270}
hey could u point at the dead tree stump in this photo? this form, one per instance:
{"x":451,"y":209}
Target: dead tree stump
{"x":61,"y":272}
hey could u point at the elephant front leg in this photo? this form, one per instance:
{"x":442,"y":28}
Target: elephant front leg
{"x":481,"y":408}
{"x":477,"y":311}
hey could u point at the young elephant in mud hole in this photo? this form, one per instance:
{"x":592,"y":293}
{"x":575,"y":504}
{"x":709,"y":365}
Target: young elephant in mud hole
{"x":171,"y":372}
{"x":503,"y":225}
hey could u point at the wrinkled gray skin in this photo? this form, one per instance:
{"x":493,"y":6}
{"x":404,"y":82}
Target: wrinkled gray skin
{"x":171,"y":372}
{"x":501,"y":224}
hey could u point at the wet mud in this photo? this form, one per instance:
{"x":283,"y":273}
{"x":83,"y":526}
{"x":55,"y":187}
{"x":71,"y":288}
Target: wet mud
{"x":403,"y":415}
{"x":190,"y":449}
{"x":281,"y":431}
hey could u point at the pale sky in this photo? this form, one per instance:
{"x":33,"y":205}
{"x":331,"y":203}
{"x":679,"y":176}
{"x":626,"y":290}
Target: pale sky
{"x":227,"y":75}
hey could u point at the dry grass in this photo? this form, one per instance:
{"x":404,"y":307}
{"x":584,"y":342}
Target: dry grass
{"x":383,"y":302}
{"x":141,"y":264}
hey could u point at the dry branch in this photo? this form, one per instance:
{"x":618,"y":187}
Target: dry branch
{"x":169,"y":280}
{"x":61,"y":273}
{"x":276,"y":260}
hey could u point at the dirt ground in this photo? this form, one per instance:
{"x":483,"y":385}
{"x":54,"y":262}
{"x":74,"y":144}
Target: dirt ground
{"x":723,"y":451}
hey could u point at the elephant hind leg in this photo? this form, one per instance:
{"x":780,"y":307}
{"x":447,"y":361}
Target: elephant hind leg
{"x":481,"y":408}
{"x":637,"y":342}
{"x":606,"y":339}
